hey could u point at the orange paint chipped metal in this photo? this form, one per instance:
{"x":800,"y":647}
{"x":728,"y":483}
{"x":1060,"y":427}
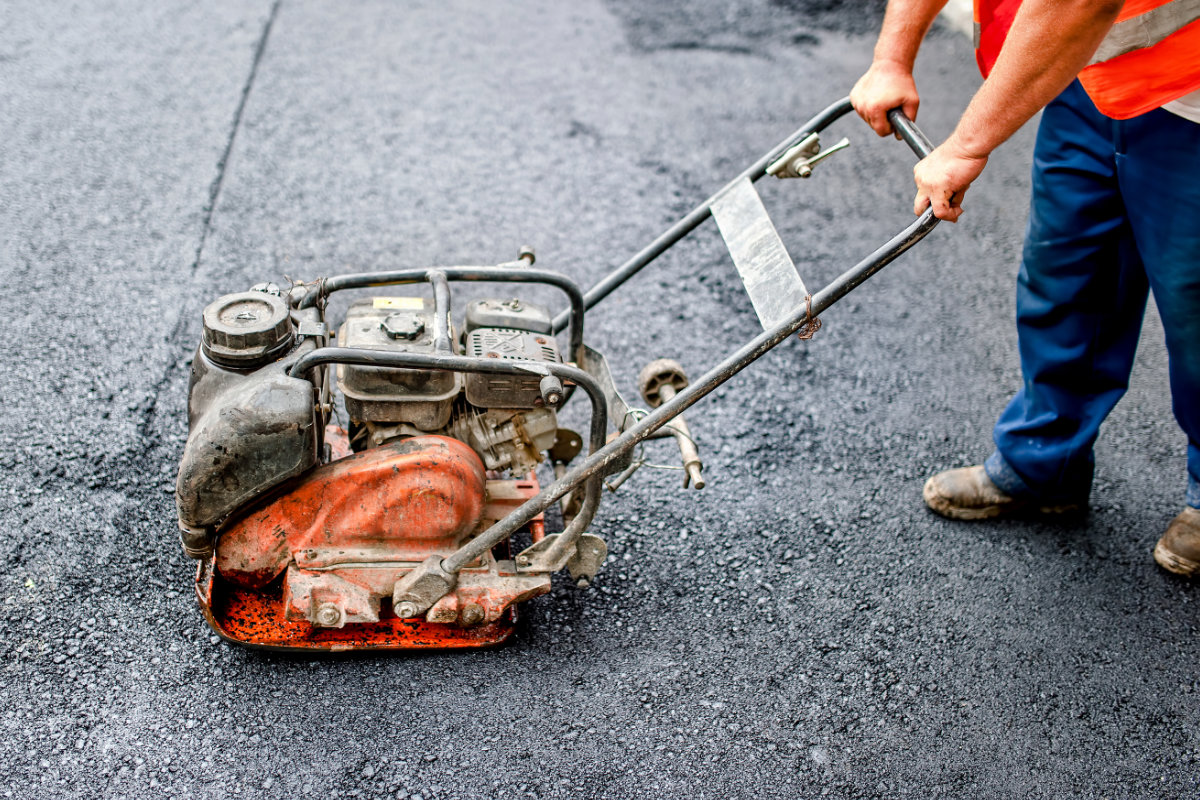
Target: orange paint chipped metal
{"x":256,"y":618}
{"x":313,"y":566}
{"x":419,"y":496}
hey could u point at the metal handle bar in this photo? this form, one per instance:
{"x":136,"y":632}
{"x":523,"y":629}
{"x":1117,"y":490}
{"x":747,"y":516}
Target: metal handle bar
{"x":591,"y":468}
{"x":907,"y":129}
{"x":744,"y":356}
{"x":913,"y":136}
{"x":389,"y":359}
{"x":732,"y":365}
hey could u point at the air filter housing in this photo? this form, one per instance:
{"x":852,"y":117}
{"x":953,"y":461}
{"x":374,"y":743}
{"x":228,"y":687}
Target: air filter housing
{"x":508,"y":391}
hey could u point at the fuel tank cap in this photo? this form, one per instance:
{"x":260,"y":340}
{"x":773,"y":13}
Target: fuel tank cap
{"x":246,"y":329}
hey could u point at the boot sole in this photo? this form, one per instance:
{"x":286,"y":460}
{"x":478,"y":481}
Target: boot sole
{"x":944,"y":507}
{"x":1174,"y":563}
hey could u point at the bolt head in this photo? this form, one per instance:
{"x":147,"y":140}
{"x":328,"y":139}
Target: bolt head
{"x":406,"y":610}
{"x":328,"y":615}
{"x":471,"y":614}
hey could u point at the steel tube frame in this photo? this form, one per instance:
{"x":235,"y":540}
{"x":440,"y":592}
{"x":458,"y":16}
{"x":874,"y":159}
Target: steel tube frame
{"x":499,"y":274}
{"x":441,"y":311}
{"x":683,"y":227}
{"x":598,"y":428}
{"x":590,"y":470}
{"x":745,"y":355}
{"x":732,"y":365}
{"x":610,"y":282}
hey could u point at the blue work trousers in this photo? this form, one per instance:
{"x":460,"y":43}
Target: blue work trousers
{"x":1115,"y":213}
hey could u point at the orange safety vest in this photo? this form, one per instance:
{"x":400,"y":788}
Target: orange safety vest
{"x":1150,"y":56}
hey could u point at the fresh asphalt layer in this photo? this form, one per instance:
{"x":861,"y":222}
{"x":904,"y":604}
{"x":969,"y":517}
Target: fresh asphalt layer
{"x":801,"y":628}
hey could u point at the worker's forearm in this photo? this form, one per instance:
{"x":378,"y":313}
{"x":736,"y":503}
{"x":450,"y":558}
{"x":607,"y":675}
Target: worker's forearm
{"x":1049,"y":43}
{"x":905,"y":24}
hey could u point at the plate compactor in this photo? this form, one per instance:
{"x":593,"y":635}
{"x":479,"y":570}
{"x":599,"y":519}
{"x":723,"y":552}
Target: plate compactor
{"x":395,"y":529}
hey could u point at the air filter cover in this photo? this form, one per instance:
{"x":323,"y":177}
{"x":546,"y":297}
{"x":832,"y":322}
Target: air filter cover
{"x":508,"y":391}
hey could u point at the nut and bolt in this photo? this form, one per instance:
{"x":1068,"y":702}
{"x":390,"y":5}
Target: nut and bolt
{"x":524,"y":561}
{"x":406,"y":609}
{"x":471,"y":614}
{"x":270,"y":288}
{"x":328,"y":615}
{"x":551,"y":389}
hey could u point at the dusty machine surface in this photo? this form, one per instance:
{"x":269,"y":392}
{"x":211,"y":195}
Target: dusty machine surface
{"x":392,"y":525}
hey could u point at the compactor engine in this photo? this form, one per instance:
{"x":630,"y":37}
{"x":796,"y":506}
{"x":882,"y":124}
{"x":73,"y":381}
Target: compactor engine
{"x":305,"y":528}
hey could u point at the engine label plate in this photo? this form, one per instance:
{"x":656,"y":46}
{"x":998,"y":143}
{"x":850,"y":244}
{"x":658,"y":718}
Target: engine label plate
{"x":406,"y":303}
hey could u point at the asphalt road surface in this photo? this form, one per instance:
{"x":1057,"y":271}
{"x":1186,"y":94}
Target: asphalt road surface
{"x":801,"y":628}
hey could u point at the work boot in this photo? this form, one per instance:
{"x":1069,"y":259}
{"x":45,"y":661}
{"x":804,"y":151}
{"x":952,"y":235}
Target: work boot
{"x":968,"y":493}
{"x":1178,"y":550}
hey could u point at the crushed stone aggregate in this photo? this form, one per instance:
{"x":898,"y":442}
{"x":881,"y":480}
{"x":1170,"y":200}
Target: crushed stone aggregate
{"x":801,"y":628}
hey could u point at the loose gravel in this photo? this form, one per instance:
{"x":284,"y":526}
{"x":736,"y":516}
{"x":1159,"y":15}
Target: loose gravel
{"x":801,"y":628}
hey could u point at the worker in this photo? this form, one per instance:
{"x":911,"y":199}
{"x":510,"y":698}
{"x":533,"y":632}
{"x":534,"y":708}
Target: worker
{"x":1115,"y":214}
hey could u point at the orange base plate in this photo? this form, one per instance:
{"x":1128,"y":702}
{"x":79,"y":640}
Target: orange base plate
{"x":255,"y":618}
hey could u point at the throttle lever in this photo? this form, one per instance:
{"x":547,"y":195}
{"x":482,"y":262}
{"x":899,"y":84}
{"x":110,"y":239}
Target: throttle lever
{"x":799,"y":159}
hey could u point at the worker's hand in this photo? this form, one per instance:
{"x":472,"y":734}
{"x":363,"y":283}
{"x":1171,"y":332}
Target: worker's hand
{"x":943,"y":178}
{"x":886,"y":85}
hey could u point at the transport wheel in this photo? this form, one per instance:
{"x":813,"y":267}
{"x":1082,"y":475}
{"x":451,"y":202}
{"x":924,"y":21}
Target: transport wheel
{"x":657,"y":374}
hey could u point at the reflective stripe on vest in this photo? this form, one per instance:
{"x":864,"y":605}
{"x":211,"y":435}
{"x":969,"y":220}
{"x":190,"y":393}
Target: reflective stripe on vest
{"x":992,"y":21}
{"x":1150,"y":56}
{"x":1146,"y":29}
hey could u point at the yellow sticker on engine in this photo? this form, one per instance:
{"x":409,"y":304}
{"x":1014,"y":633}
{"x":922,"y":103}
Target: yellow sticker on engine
{"x":406,"y":303}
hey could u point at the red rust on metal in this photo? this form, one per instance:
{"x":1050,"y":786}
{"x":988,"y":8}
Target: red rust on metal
{"x":505,"y":496}
{"x":417,"y":496}
{"x":256,"y":618}
{"x":338,"y":441}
